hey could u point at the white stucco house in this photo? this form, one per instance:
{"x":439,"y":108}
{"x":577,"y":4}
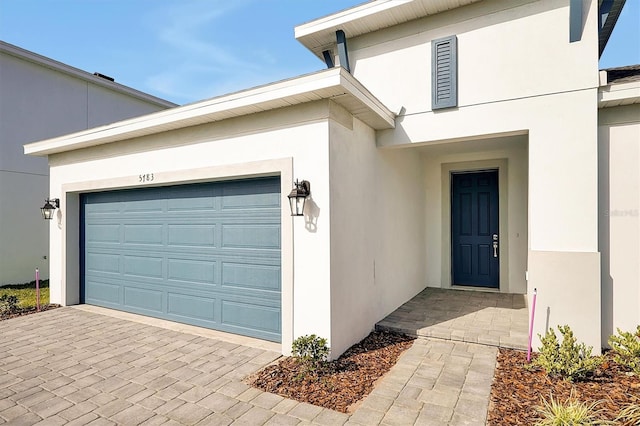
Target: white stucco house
{"x":468,"y":144}
{"x":41,"y":98}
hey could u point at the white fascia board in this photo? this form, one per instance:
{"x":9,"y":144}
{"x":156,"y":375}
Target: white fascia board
{"x":340,"y":18}
{"x":357,"y":89}
{"x":619,"y":94}
{"x":319,"y":34}
{"x":325,"y":84}
{"x":324,"y":28}
{"x":45,"y":62}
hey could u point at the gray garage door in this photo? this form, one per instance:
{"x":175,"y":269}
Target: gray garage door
{"x":202,"y":254}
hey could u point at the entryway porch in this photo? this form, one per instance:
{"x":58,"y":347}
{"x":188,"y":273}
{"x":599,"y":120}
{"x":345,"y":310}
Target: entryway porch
{"x":489,"y":318}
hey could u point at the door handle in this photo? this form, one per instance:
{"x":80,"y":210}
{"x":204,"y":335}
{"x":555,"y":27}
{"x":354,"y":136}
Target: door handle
{"x":495,"y":245}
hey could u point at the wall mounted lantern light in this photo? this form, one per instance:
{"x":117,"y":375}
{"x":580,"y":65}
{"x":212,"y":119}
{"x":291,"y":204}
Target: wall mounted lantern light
{"x":298,"y":196}
{"x":50,"y":205}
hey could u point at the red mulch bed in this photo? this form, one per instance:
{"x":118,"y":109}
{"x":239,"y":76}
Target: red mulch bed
{"x":28,"y":311}
{"x":517,"y":391}
{"x":343,"y":382}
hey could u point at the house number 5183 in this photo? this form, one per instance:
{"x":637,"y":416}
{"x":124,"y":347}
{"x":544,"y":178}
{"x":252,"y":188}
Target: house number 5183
{"x":147,"y":177}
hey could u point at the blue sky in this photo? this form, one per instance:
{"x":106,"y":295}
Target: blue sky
{"x":187,"y":50}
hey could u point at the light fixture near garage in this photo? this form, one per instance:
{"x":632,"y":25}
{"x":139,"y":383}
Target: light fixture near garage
{"x":50,"y":205}
{"x":298,"y":196}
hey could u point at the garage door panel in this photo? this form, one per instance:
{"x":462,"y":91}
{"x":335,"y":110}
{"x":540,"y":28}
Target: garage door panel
{"x":191,"y":205}
{"x":188,"y":306}
{"x":235,"y":195}
{"x":198,"y":271}
{"x":251,"y":236}
{"x":250,"y":316}
{"x":145,"y":267}
{"x":251,"y":276}
{"x":143,"y":234}
{"x":143,"y":206}
{"x":250,"y":201}
{"x":143,"y":299}
{"x":102,"y":292}
{"x":191,"y":235}
{"x":103,"y":263}
{"x":98,"y":210}
{"x":106,"y":233}
{"x":204,"y":254}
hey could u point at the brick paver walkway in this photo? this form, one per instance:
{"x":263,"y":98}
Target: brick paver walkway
{"x":488,"y":318}
{"x":76,"y":367}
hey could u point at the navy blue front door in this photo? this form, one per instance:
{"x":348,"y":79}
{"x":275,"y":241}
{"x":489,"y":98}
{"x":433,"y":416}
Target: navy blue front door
{"x":474,"y":229}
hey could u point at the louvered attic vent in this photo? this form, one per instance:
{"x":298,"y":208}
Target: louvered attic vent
{"x":444,"y":73}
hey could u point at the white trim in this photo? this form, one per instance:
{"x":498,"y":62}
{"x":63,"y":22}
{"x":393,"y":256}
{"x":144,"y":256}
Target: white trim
{"x":335,"y":20}
{"x":69,"y":222}
{"x":336,"y":84}
{"x":319,"y":34}
{"x":619,"y":94}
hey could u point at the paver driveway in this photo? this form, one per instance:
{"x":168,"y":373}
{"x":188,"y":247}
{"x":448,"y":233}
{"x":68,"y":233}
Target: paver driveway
{"x":77,"y":367}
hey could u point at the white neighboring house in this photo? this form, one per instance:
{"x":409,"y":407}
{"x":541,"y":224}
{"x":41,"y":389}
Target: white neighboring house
{"x":468,"y":144}
{"x":41,"y":98}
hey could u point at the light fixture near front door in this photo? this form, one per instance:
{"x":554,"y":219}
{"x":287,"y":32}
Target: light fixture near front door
{"x":50,"y":205}
{"x":298,"y":197}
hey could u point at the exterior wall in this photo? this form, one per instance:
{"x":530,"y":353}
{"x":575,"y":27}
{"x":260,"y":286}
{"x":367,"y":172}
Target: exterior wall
{"x":619,"y":200}
{"x":507,"y":49}
{"x":39,"y":102}
{"x":23,"y":232}
{"x":509,"y":156}
{"x":517,"y":74}
{"x":377,"y":222}
{"x":291,"y":142}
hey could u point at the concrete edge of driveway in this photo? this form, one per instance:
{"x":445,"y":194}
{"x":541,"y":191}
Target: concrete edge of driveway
{"x":183,"y":328}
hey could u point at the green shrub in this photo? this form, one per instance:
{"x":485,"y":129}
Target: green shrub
{"x":312,"y":352}
{"x":629,"y":416}
{"x":626,"y":349}
{"x":571,"y":412}
{"x":310,"y":348}
{"x":569,"y":359}
{"x":8,"y":304}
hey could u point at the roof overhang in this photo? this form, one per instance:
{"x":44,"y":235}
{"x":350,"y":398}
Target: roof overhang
{"x":320,"y":34}
{"x":609,"y":12}
{"x":43,"y":61}
{"x":335,"y":84}
{"x":618,"y":94}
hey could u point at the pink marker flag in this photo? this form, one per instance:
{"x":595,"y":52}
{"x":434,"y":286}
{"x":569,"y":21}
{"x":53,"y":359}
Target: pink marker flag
{"x":533,"y":314}
{"x":37,"y":289}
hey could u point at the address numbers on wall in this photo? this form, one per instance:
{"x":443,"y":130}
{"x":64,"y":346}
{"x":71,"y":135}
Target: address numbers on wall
{"x":145,"y":177}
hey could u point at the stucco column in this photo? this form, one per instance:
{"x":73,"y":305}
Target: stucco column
{"x":563,"y":260}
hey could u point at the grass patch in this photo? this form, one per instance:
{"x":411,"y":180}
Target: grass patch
{"x":26,"y":293}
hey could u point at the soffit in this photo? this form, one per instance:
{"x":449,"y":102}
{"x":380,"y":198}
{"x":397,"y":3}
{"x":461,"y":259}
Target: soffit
{"x":335,"y":84}
{"x":608,"y":20}
{"x":320,"y":34}
{"x":619,"y":94}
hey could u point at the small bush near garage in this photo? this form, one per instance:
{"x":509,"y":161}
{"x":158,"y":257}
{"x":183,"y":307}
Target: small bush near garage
{"x":340,"y":383}
{"x":311,"y":352}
